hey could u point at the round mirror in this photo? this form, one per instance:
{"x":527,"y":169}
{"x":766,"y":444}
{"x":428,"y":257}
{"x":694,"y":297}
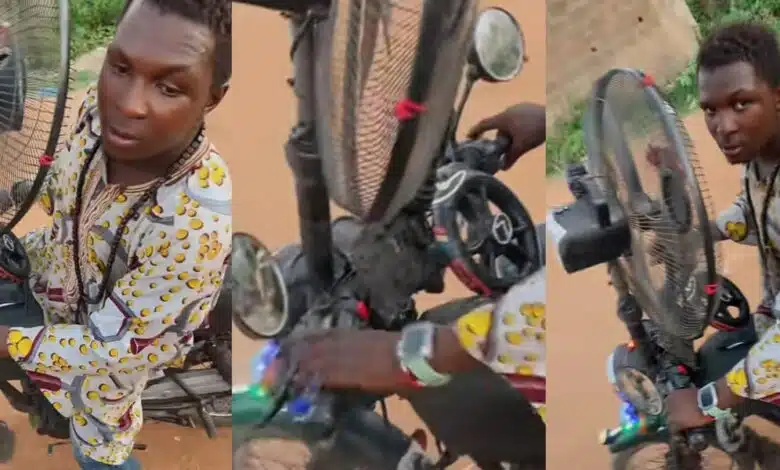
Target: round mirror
{"x":260,"y":302}
{"x":499,"y":46}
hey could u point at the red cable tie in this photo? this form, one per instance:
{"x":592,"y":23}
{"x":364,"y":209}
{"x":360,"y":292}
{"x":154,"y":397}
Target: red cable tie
{"x":648,"y":80}
{"x":407,"y":109}
{"x":46,"y":160}
{"x":711,"y":289}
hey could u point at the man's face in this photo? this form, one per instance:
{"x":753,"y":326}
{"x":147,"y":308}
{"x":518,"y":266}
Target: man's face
{"x":740,"y":110}
{"x":156,"y":84}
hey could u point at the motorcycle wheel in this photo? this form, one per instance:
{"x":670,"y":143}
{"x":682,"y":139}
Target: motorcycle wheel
{"x":760,"y":453}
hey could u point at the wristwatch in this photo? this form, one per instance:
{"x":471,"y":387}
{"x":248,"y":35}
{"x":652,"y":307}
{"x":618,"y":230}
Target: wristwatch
{"x":415,"y":350}
{"x":708,"y":402}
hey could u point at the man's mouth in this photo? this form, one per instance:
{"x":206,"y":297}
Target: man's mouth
{"x":121,"y":138}
{"x":731,"y":150}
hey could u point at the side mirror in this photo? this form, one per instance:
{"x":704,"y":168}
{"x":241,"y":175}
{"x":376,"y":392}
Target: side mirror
{"x":498,"y":46}
{"x":260,"y":300}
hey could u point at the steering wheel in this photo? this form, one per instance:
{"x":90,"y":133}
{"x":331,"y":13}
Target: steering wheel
{"x":14,"y":264}
{"x":733,"y":309}
{"x":504,"y":244}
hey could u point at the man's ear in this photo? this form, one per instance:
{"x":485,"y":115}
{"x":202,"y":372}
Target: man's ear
{"x":217,"y":93}
{"x":776,"y":93}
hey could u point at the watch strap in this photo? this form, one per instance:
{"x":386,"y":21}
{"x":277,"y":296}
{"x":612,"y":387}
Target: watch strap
{"x":417,"y":364}
{"x":424,"y":373}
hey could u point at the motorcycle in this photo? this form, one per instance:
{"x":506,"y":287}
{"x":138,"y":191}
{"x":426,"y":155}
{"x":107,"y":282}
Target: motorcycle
{"x":196,"y":393}
{"x":376,"y":268}
{"x":599,"y":227}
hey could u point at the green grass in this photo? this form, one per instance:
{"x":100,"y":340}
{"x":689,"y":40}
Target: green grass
{"x":93,"y":24}
{"x":566,"y":143}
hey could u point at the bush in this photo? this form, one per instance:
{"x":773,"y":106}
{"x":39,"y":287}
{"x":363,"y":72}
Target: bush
{"x":566,"y":144}
{"x":93,"y":23}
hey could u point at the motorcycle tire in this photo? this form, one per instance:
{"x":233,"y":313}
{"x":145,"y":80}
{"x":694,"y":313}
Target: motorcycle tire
{"x":760,"y":453}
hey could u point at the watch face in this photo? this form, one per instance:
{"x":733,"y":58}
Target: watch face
{"x":413,"y":343}
{"x":706,"y":398}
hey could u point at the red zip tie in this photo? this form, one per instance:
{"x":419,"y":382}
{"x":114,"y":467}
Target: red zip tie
{"x":648,"y":80}
{"x":711,"y":289}
{"x":45,"y":160}
{"x":407,"y":109}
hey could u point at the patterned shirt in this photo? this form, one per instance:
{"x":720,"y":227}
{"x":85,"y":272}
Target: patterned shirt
{"x":758,"y":375}
{"x":509,"y":337}
{"x":163,"y":284}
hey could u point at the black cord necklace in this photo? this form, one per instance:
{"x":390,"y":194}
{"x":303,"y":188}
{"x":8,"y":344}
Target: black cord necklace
{"x":133,"y":213}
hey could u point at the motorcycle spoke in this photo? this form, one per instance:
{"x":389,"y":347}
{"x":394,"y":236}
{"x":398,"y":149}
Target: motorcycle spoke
{"x":489,"y":253}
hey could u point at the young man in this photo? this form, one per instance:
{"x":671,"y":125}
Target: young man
{"x":739,"y":92}
{"x":132,"y":261}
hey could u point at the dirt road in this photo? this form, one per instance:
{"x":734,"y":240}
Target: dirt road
{"x":584,"y":328}
{"x":260,"y":112}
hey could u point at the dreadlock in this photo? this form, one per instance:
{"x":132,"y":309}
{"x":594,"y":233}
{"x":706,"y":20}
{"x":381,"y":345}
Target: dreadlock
{"x":215,"y":15}
{"x":750,"y":42}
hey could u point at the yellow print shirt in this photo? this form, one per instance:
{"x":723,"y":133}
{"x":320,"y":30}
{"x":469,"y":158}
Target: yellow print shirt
{"x":163,"y":284}
{"x":509,"y":337}
{"x":758,"y":375}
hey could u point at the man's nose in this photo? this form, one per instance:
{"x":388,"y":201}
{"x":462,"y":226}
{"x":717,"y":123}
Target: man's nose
{"x":132,"y":103}
{"x":727,"y":124}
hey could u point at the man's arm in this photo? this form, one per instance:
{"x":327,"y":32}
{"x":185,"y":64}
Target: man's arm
{"x":736,"y":223}
{"x":509,"y":337}
{"x":757,"y":376}
{"x":151,"y":311}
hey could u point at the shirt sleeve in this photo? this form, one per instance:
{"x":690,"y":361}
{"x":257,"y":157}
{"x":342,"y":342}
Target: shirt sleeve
{"x":758,"y":375}
{"x":736,"y":223}
{"x":509,"y":337}
{"x":151,"y":312}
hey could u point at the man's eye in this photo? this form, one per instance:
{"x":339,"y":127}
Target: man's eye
{"x":168,"y":90}
{"x":708,"y":111}
{"x":120,"y":69}
{"x":740,"y":105}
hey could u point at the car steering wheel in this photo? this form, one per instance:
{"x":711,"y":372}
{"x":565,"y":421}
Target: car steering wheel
{"x":504,"y":244}
{"x":733,"y":308}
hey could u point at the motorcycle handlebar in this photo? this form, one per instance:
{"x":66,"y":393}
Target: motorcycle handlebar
{"x":485,"y":155}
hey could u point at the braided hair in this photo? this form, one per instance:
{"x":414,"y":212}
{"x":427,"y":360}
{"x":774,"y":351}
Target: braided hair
{"x":133,"y":213}
{"x":751,"y":42}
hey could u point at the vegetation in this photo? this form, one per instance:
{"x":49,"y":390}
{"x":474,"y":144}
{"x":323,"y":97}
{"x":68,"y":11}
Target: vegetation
{"x":566,"y":143}
{"x":93,"y":24}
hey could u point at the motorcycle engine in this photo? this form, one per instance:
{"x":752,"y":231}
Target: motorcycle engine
{"x":392,"y":263}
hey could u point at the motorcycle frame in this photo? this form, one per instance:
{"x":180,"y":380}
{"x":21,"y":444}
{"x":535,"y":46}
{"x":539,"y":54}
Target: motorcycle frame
{"x":302,"y":155}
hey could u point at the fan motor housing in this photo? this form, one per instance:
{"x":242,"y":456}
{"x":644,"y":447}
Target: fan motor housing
{"x":582,"y":240}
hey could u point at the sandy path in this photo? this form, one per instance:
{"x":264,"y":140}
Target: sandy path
{"x":260,"y":112}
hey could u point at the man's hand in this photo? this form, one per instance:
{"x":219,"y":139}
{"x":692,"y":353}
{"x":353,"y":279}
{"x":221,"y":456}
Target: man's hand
{"x":524,"y":125}
{"x":683,"y":411}
{"x":683,"y":406}
{"x":4,"y":342}
{"x":348,"y":359}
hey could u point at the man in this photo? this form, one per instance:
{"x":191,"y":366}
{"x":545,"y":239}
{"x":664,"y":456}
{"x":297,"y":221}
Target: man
{"x":133,"y":258}
{"x":739,"y":92}
{"x":507,"y":335}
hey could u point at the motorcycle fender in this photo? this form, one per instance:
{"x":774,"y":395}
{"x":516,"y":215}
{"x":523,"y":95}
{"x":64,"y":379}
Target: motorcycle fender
{"x":203,"y":383}
{"x":624,"y":357}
